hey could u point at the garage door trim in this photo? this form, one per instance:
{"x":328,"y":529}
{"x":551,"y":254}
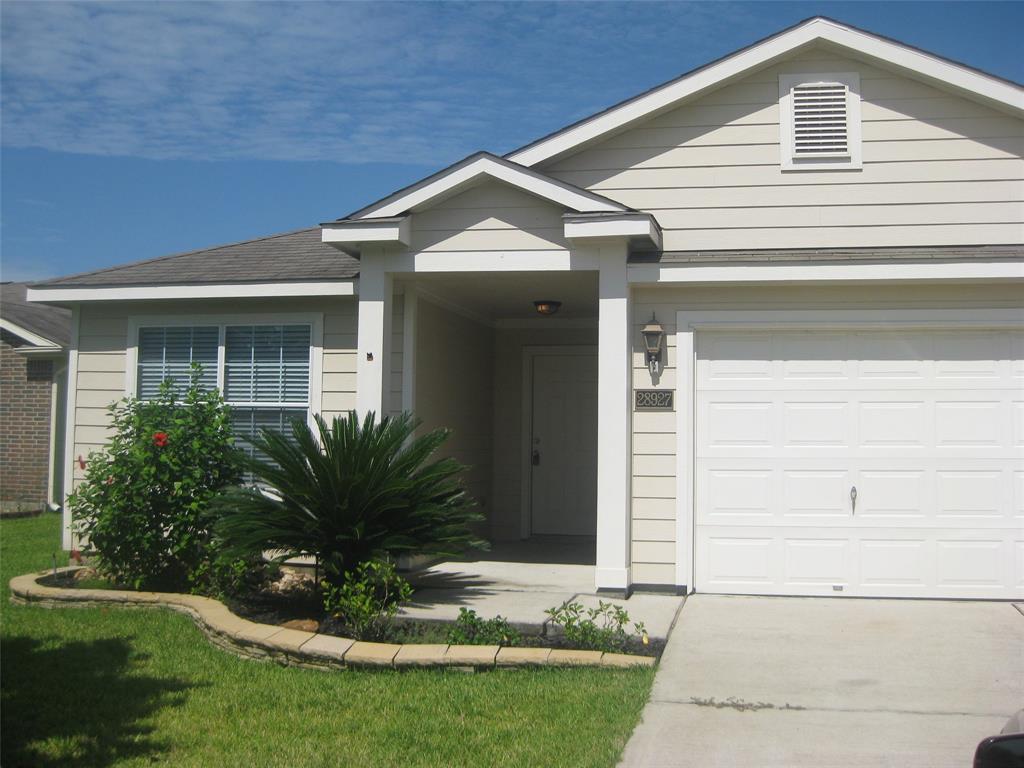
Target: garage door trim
{"x":691,"y":322}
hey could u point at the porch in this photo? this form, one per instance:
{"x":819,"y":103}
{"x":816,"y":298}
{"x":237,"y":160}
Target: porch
{"x":520,"y":580}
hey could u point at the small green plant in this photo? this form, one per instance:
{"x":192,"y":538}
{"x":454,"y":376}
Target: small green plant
{"x":470,"y":629}
{"x":597,"y":629}
{"x":367,"y":599}
{"x":144,"y":505}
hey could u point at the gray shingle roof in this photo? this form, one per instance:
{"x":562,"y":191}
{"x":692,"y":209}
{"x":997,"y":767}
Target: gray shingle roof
{"x":53,"y":323}
{"x":286,"y":257}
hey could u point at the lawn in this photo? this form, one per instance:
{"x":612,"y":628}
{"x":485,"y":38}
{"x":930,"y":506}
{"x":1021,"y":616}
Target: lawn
{"x":126,"y":687}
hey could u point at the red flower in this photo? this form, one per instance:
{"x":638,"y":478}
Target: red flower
{"x":76,"y":556}
{"x":160,"y":439}
{"x":110,"y":479}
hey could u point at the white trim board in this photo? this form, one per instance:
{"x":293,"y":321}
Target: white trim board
{"x":690,"y":323}
{"x":204,"y":291}
{"x":32,"y":338}
{"x":935,"y":70}
{"x":826,"y":273}
{"x":468,"y":172}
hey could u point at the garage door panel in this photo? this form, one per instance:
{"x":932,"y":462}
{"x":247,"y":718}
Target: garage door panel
{"x":816,"y":493}
{"x":885,"y":495}
{"x":927,"y":425}
{"x":891,"y":423}
{"x":821,"y":424}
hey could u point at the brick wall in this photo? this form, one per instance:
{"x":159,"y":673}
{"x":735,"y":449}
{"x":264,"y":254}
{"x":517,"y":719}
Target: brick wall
{"x":25,"y":392}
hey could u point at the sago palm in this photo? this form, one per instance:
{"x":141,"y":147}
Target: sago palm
{"x":362,"y":491}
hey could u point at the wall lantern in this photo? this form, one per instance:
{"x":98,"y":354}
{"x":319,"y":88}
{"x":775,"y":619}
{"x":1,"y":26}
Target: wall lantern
{"x":547,"y":306}
{"x":653,"y":333}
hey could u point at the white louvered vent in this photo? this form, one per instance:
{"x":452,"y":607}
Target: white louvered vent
{"x":820,"y":120}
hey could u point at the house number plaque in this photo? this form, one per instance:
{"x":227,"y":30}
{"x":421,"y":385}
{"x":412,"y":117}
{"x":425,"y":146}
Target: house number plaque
{"x":653,"y":399}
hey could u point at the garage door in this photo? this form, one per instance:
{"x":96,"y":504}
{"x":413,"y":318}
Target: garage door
{"x":860,"y":462}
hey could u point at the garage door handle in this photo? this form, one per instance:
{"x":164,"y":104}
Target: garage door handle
{"x":853,"y":499}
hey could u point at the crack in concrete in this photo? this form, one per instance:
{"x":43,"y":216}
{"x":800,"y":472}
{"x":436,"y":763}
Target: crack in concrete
{"x":741,"y":705}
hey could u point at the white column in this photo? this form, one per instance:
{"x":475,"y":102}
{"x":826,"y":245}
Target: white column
{"x":373,"y":346}
{"x":613,"y":422}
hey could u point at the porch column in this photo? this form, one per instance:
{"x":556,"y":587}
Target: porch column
{"x":613,"y":422}
{"x":373,"y":346}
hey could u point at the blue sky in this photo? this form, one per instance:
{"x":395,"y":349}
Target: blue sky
{"x":135,"y":130}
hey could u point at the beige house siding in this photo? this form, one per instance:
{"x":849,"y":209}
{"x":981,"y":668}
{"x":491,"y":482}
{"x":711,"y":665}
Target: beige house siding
{"x":103,"y":339}
{"x":937,"y":169}
{"x":454,"y":390}
{"x":491,"y":216}
{"x":654,"y":433}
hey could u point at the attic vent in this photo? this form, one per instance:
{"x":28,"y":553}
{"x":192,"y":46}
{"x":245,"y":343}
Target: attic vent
{"x":820,"y":120}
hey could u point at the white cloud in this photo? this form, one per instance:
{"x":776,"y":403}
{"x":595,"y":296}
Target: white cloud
{"x":345,"y":82}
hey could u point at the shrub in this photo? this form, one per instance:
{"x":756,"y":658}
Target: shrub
{"x":470,"y":629}
{"x":351,"y":493}
{"x":597,"y":629}
{"x":367,"y":599}
{"x":144,"y":505}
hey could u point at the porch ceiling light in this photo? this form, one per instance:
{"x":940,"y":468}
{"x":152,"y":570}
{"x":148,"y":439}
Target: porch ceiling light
{"x":547,"y":306}
{"x":653,"y":334}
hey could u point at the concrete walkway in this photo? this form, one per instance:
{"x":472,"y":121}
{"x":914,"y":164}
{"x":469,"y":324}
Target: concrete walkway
{"x":504,"y":582}
{"x":748,"y":681}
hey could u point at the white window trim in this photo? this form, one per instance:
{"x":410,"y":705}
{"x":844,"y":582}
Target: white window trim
{"x":852,"y":161}
{"x":315,"y":321}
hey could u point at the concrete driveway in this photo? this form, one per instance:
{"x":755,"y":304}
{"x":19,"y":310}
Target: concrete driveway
{"x":772,"y":681}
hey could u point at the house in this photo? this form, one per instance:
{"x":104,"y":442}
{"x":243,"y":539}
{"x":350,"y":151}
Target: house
{"x":33,"y":374}
{"x":821,"y":239}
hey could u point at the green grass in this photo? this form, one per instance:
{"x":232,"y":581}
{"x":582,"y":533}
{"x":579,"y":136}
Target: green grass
{"x":127,"y":687}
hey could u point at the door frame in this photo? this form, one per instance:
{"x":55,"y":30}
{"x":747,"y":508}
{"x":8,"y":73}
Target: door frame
{"x":690,"y":322}
{"x":529,"y":354}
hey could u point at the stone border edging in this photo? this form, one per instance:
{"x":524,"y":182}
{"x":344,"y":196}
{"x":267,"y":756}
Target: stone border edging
{"x":307,"y":649}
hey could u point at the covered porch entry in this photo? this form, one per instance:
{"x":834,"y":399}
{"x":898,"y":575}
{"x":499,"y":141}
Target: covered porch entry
{"x":519,"y":392}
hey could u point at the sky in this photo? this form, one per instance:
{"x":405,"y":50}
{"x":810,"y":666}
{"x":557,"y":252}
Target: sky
{"x":133,"y":130}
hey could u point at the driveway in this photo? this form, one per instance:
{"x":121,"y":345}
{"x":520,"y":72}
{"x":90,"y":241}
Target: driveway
{"x":773,"y":681}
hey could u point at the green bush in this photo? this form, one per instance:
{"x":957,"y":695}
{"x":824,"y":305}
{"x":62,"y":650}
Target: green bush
{"x":144,"y":505}
{"x":352,"y":492}
{"x":367,"y":599}
{"x":470,"y":629}
{"x":597,"y":629}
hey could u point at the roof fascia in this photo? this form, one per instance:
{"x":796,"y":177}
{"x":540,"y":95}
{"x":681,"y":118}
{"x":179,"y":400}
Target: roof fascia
{"x":462,"y":175}
{"x":31,"y":337}
{"x":991,"y":90}
{"x":195,"y":291}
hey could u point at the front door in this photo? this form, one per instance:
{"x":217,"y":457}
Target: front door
{"x":564,"y":445}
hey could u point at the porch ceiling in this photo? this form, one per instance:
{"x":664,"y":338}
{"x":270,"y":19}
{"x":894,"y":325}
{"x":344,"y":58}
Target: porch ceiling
{"x":510,"y":295}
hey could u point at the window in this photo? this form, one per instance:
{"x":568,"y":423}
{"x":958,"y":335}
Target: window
{"x":263,"y":370}
{"x":819,"y":120}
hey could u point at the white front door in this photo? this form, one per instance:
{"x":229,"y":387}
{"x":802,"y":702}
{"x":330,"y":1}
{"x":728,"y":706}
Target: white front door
{"x":860,"y":462}
{"x":564,"y":445}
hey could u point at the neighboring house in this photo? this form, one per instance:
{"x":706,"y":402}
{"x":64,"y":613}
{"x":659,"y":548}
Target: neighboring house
{"x":33,"y":374}
{"x":827,"y":225}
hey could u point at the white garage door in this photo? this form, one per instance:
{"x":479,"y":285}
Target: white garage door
{"x":860,"y":462}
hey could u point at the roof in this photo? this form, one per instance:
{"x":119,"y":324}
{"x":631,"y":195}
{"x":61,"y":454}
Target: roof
{"x":936,"y":70}
{"x":287,"y":257}
{"x":466,"y":172}
{"x":900,"y":253}
{"x":52,"y":324}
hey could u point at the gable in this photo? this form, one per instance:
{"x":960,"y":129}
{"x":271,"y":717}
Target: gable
{"x":949,"y":75}
{"x":490,"y":216}
{"x":937,"y":168}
